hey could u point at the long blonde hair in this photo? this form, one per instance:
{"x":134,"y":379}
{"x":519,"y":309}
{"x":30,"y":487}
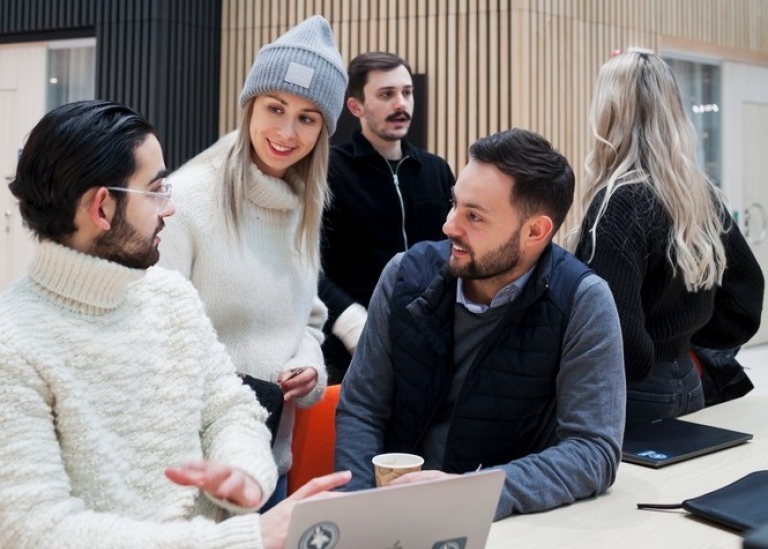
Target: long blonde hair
{"x":642,"y":135}
{"x":312,"y":170}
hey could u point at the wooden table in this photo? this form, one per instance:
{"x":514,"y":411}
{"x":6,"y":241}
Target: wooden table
{"x":612,"y":520}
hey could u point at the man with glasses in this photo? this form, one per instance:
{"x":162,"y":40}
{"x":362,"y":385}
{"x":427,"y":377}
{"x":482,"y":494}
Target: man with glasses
{"x":122,"y":420}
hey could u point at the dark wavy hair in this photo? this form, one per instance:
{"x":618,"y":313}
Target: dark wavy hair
{"x":364,"y":63}
{"x":543,"y":179}
{"x":72,"y":149}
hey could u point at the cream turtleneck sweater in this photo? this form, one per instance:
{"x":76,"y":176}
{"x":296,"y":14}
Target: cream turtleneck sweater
{"x":108,"y":375}
{"x":259,"y":292}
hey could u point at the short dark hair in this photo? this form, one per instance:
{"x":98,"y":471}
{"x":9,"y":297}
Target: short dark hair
{"x":543,"y":180}
{"x":72,"y":149}
{"x":364,"y":63}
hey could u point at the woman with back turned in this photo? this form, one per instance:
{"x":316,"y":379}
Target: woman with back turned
{"x":658,"y":231}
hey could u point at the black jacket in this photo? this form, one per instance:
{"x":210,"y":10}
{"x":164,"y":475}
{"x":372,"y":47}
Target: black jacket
{"x":372,"y":216}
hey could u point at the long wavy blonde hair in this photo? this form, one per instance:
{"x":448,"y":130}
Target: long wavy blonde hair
{"x":312,"y":170}
{"x":642,"y":135}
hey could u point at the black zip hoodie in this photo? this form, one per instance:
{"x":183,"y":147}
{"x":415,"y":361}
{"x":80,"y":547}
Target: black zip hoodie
{"x":378,"y":208}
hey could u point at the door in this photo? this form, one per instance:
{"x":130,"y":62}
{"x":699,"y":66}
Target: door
{"x":34,"y":78}
{"x":755,"y":144}
{"x":22,"y":103}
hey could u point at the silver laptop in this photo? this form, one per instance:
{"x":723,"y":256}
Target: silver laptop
{"x":454,"y":513}
{"x":663,"y":442}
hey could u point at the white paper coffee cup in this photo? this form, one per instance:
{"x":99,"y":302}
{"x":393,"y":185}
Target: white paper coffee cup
{"x":388,"y":467}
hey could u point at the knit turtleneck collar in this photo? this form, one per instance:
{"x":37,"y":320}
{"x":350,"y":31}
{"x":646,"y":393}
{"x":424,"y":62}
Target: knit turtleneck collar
{"x":272,"y":193}
{"x":79,"y":281}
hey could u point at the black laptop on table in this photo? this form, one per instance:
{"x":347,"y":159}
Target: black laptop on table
{"x":665,"y":441}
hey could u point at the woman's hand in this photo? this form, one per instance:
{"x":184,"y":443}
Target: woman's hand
{"x":297,"y":382}
{"x":275,"y":522}
{"x":220,"y":481}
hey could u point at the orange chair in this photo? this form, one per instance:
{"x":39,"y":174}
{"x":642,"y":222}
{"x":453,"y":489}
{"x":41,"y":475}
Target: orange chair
{"x":314,"y":439}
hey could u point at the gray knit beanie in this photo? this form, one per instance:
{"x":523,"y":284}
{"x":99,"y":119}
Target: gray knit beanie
{"x":304,"y":61}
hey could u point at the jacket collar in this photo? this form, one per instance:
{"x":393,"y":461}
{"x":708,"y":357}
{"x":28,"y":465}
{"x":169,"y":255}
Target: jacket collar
{"x":540,"y":279}
{"x":362,"y":147}
{"x":445,"y":282}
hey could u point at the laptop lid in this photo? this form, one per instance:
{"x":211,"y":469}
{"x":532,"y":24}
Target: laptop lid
{"x":453,"y":513}
{"x":665,"y":441}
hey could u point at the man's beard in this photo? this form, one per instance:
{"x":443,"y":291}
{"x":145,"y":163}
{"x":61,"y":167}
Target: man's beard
{"x":124,"y":245}
{"x":494,"y":263}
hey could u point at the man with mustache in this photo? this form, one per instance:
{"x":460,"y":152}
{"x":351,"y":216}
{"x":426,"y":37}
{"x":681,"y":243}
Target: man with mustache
{"x":495,"y":348}
{"x":122,"y":420}
{"x":386,"y":195}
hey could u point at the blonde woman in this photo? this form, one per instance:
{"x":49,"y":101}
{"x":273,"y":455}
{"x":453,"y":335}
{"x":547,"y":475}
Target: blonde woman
{"x":656,"y":229}
{"x":248,"y":219}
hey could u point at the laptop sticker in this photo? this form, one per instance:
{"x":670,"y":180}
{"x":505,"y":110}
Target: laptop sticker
{"x":323,"y":535}
{"x":456,"y":543}
{"x":652,"y":454}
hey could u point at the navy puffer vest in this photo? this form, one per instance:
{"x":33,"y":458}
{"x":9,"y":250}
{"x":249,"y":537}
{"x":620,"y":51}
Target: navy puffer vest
{"x":506,"y":406}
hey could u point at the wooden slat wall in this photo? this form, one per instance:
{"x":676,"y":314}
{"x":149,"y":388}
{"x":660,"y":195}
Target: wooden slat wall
{"x":495,"y":64}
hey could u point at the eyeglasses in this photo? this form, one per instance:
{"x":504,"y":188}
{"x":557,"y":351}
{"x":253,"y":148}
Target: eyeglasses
{"x":161,"y":197}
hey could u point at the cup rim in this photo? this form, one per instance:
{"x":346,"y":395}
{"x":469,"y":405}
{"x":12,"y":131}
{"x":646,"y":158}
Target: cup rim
{"x":416,"y":460}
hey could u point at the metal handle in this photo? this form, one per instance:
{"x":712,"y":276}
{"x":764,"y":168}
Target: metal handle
{"x":749,"y":220}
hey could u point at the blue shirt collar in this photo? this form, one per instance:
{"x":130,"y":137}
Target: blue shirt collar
{"x":506,"y":295}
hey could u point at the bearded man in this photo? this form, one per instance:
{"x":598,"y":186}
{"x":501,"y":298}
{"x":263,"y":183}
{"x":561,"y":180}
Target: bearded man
{"x":494,"y":348}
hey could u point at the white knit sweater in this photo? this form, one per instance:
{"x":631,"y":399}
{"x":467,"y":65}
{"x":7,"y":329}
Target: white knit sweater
{"x":259,"y":293}
{"x":108,"y":375}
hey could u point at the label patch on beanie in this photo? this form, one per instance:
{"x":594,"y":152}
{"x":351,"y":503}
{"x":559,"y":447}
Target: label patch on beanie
{"x":299,"y":74}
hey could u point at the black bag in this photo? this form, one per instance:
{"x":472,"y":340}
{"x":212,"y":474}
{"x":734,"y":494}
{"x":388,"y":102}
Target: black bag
{"x":757,"y":539}
{"x":742,"y":505}
{"x":722,"y":377}
{"x":269,"y":395}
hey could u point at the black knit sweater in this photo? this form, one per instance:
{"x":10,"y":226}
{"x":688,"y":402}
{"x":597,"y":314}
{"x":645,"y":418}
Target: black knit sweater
{"x":659,"y":317}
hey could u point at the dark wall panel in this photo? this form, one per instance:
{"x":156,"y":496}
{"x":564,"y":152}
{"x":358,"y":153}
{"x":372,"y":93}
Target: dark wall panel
{"x":161,"y":57}
{"x":46,"y":16}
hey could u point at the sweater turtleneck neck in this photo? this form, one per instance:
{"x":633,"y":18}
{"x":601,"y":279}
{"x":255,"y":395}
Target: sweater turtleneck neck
{"x":81,"y":282}
{"x":273,"y":193}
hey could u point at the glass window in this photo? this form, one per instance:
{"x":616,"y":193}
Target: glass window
{"x":700,"y":84}
{"x":71,"y":72}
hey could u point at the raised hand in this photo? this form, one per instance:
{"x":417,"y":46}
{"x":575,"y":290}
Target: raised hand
{"x":220,"y":481}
